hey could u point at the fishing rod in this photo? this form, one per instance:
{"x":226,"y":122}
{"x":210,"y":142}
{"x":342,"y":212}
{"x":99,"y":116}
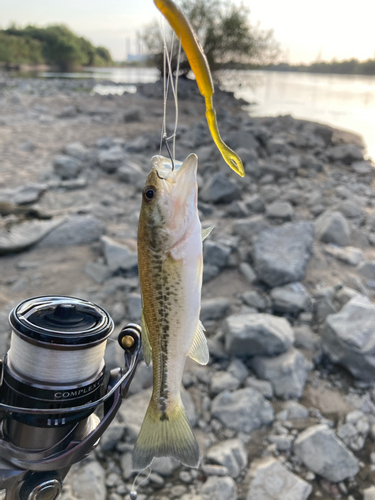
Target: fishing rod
{"x":53,"y":381}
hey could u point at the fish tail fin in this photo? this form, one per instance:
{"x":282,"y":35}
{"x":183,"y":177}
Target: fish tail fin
{"x":166,"y":434}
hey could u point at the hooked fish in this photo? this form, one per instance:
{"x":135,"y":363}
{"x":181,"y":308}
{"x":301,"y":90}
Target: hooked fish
{"x":199,"y":65}
{"x":170,"y":271}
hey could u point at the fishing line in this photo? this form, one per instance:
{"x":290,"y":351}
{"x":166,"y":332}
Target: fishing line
{"x":133,"y":493}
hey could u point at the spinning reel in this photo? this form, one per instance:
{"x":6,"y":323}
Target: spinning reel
{"x":53,"y":378}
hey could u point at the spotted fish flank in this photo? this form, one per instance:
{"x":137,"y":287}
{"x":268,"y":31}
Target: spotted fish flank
{"x":170,"y":270}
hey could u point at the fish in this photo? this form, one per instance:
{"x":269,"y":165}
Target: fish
{"x":170,"y":265}
{"x":199,"y":65}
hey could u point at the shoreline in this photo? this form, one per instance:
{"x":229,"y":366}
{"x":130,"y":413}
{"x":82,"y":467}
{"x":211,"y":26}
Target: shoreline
{"x":293,"y":247}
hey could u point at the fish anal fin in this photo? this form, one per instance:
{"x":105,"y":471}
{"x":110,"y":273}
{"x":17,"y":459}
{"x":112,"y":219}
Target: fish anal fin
{"x":206,"y":232}
{"x":199,"y":349}
{"x":146,"y":346}
{"x":165,"y":435}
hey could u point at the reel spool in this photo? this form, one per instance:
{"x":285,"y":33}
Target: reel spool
{"x":52,"y":380}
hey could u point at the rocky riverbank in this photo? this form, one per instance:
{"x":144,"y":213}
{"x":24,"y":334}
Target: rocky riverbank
{"x":286,"y":407}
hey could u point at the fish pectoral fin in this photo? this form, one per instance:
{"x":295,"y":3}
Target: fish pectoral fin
{"x":206,"y":232}
{"x":165,"y":435}
{"x":199,"y":348}
{"x":146,"y":346}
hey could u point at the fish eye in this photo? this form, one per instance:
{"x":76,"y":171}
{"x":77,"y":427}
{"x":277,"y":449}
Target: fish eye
{"x":149,"y":193}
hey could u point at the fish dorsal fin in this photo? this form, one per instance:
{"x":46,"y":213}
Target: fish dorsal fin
{"x":199,"y":349}
{"x":206,"y":232}
{"x":146,"y":346}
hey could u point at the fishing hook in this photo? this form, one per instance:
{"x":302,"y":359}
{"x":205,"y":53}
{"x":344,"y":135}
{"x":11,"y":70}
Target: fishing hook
{"x":165,"y":140}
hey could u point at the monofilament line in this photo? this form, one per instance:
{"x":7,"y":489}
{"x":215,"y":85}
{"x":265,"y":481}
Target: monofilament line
{"x":168,"y":79}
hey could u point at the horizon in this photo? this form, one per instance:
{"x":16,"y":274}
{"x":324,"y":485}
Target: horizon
{"x":304,"y":34}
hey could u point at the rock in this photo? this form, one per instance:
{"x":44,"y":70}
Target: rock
{"x":66,"y":167}
{"x":283,"y":443}
{"x":287,"y":372}
{"x":210,"y":272}
{"x":88,"y":481}
{"x":367,"y":269}
{"x":132,"y":174}
{"x":98,"y":272}
{"x":243,"y":410}
{"x":280,"y":210}
{"x":350,"y":255}
{"x":237,"y":209}
{"x":349,"y":337}
{"x":262,"y":386}
{"x":118,"y":256}
{"x":247,"y":272}
{"x":231,"y":454}
{"x":111,"y":159}
{"x":306,"y":339}
{"x":278,"y":145}
{"x":216,"y":254}
{"x":133,"y":114}
{"x":238,"y":369}
{"x":223,"y":381}
{"x":350,"y":209}
{"x":255,"y":204}
{"x":345,"y":153}
{"x":134,"y":306}
{"x":369,"y":493}
{"x":354,"y":431}
{"x":220,"y":190}
{"x":291,"y":299}
{"x":219,"y":488}
{"x":295,"y":410}
{"x":214,"y":309}
{"x":248,"y":228}
{"x":269,"y":193}
{"x":281,"y":254}
{"x":28,"y":146}
{"x":111,"y":436}
{"x":76,"y":230}
{"x":324,"y":454}
{"x":362,"y":167}
{"x":250,"y":334}
{"x":77,"y":150}
{"x":22,"y":236}
{"x":332,"y":227}
{"x":68,"y":112}
{"x":254,"y":299}
{"x":165,"y":466}
{"x":30,"y":193}
{"x":273,"y":480}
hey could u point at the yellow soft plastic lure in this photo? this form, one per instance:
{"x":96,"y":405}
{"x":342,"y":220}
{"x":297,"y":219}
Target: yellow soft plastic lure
{"x":199,"y":65}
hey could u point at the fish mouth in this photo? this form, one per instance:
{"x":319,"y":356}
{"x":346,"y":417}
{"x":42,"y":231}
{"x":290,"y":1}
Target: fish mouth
{"x":174,"y":172}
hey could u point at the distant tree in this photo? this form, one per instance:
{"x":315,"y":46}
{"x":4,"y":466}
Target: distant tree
{"x":55,"y":45}
{"x":224,"y":31}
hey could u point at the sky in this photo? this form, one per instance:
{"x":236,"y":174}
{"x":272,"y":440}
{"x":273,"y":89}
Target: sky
{"x":306,"y":31}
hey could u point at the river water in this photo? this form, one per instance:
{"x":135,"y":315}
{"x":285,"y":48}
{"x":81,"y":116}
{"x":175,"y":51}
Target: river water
{"x":343,"y":101}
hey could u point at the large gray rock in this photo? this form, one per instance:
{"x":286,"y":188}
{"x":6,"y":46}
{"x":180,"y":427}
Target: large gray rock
{"x":118,"y":256}
{"x":231,"y":454}
{"x":280,"y":210}
{"x":354,"y":430}
{"x":281,"y":254}
{"x":273,"y":480}
{"x":76,"y":230}
{"x":291,"y":299}
{"x":287,"y":372}
{"x":243,"y":410}
{"x":219,"y":488}
{"x":345,"y":153}
{"x":323,"y":453}
{"x":250,"y":334}
{"x":220,"y":190}
{"x":349,"y":337}
{"x":332,"y":227}
{"x":77,"y":150}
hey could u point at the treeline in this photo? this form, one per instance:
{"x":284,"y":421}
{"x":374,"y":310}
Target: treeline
{"x":54,"y":45}
{"x":349,"y":67}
